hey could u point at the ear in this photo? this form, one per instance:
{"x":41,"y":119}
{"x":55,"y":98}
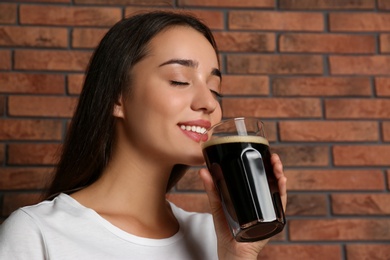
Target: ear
{"x":118,"y":108}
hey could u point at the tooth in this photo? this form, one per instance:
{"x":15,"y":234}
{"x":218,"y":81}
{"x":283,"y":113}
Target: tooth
{"x":198,"y":129}
{"x":188,"y":128}
{"x":183,"y":127}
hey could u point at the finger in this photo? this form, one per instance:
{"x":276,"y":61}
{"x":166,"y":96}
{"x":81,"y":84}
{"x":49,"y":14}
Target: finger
{"x":277,"y":165}
{"x":282,"y":180}
{"x":220,"y":223}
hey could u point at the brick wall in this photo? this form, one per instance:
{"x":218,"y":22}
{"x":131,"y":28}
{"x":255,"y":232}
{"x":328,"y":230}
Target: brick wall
{"x":316,"y":71}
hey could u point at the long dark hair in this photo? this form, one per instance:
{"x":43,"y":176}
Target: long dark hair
{"x":88,"y":144}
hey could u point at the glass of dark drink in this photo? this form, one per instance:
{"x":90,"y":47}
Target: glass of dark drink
{"x":238,"y":157}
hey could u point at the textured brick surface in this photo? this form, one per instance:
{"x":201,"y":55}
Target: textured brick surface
{"x":51,"y":60}
{"x":25,"y":83}
{"x":8,"y":13}
{"x":33,"y":36}
{"x":327,"y":43}
{"x":326,"y":4}
{"x":5,"y":60}
{"x":228,"y":3}
{"x":278,"y":21}
{"x":361,"y":204}
{"x":319,"y":131}
{"x":322,"y":86}
{"x":63,"y":15}
{"x":45,"y":106}
{"x":340,"y":229}
{"x":30,"y":129}
{"x":33,"y":154}
{"x":359,"y":22}
{"x":382,"y":85}
{"x":317,"y":72}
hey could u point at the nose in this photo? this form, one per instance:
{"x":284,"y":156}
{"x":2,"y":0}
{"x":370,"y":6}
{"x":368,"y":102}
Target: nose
{"x":204,"y":100}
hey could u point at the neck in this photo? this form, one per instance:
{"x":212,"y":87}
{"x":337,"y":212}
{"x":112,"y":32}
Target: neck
{"x":131,"y":195}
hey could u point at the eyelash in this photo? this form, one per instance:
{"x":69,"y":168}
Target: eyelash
{"x":179,"y":83}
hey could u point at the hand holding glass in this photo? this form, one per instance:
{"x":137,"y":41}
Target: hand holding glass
{"x":238,"y":158}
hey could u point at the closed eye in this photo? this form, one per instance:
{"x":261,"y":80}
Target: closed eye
{"x":179,"y":83}
{"x":216,"y":94}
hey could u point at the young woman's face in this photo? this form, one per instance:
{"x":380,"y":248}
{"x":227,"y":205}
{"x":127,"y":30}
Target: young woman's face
{"x":173,"y":97}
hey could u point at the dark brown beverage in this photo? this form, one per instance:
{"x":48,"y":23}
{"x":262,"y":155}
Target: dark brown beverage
{"x":242,"y":171}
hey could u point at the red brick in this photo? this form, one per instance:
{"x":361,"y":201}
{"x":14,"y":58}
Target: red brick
{"x":368,"y":251}
{"x":87,"y":37}
{"x":2,"y":105}
{"x":213,"y":19}
{"x":13,"y":201}
{"x":357,"y":108}
{"x":334,"y":179}
{"x":321,"y":86}
{"x":41,"y":106}
{"x":359,"y":22}
{"x":386,"y":131}
{"x":46,"y":1}
{"x":388,"y":179}
{"x":274,"y":64}
{"x":359,"y":65}
{"x":361,"y":155}
{"x":245,"y":42}
{"x":245,"y":85}
{"x":196,"y":202}
{"x":327,"y":43}
{"x":28,"y":129}
{"x":33,"y":153}
{"x":31,"y":83}
{"x":126,"y":2}
{"x":72,"y":16}
{"x":340,"y":229}
{"x":384,"y":43}
{"x":326,"y":4}
{"x":383,"y":4}
{"x":306,"y":205}
{"x":52,"y":60}
{"x":272,"y":107}
{"x":2,"y":153}
{"x":228,"y":3}
{"x":382,"y":86}
{"x":328,"y":131}
{"x":24,"y":178}
{"x":8,"y":13}
{"x":276,"y":21}
{"x":301,"y":155}
{"x":75,"y":83}
{"x":33,"y":36}
{"x":5,"y":60}
{"x":300,"y":252}
{"x":361,"y":204}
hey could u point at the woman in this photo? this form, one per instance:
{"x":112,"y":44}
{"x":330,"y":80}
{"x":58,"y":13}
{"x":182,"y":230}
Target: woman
{"x":151,"y":87}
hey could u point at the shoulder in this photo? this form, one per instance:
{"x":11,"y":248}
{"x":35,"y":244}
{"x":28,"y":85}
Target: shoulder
{"x":21,"y":234}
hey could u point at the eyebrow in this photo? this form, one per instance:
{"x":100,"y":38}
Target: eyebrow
{"x":191,"y":64}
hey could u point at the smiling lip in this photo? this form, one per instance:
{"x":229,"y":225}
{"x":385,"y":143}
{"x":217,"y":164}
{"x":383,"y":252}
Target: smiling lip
{"x":195,"y":129}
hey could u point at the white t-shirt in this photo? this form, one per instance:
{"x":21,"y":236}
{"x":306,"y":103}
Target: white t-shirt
{"x":64,"y":229}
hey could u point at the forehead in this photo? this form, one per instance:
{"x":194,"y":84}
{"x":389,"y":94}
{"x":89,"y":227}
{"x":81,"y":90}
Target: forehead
{"x":182,"y":42}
